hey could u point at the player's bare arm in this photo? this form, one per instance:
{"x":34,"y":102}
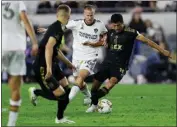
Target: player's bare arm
{"x":41,"y":30}
{"x":153,"y":45}
{"x":64,"y":59}
{"x":48,"y":56}
{"x":30,"y":31}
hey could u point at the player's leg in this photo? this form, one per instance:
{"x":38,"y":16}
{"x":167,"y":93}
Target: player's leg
{"x":63,"y":100}
{"x":16,"y":69}
{"x":86,"y":93}
{"x":99,"y":78}
{"x":116,"y":74}
{"x":86,"y":68}
{"x":39,"y":72}
{"x":79,"y":83}
{"x":15,"y":101}
{"x":78,"y":64}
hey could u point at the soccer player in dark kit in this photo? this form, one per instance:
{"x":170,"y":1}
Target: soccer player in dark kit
{"x":54,"y":85}
{"x":120,"y":41}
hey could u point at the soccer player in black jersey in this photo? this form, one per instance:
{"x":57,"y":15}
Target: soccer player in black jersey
{"x":54,"y":85}
{"x":120,"y":41}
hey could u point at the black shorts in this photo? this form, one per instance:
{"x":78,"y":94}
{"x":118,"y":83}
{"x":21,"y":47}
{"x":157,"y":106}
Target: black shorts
{"x":110,"y":70}
{"x":40,"y":72}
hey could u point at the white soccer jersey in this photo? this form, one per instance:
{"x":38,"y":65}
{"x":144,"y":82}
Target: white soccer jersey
{"x":82,"y":33}
{"x":13,"y":32}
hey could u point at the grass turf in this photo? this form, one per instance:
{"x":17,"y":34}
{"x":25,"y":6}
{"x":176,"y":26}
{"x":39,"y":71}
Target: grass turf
{"x":133,"y":105}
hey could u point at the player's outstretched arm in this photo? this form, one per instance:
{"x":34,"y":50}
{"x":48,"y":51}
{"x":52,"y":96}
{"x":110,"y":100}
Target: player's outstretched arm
{"x":30,"y":30}
{"x":154,"y":45}
{"x":64,"y":59}
{"x":48,"y":56}
{"x":101,"y":42}
{"x":41,"y":30}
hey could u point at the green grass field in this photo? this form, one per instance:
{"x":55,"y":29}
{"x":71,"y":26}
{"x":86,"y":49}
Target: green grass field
{"x":133,"y":105}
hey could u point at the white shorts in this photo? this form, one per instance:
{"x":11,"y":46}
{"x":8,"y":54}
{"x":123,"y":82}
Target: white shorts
{"x":84,"y":64}
{"x":13,"y":62}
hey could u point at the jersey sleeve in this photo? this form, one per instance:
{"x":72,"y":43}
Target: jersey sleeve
{"x":71,"y":24}
{"x":22,"y":6}
{"x":134,"y":33}
{"x":103,"y":29}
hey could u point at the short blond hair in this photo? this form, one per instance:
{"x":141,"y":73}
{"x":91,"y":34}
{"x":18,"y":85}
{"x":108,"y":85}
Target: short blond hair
{"x":64,"y":7}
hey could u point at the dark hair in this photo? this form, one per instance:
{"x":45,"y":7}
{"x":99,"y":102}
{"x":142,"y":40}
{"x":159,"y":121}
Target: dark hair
{"x":89,"y":6}
{"x":64,"y":7}
{"x":115,"y":18}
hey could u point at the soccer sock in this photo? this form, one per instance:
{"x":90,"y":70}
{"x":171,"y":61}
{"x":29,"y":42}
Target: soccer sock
{"x":62,"y":104}
{"x":67,"y":90}
{"x":96,"y":95}
{"x":13,"y":115}
{"x":86,"y":91}
{"x":102,"y":92}
{"x":39,"y":92}
{"x":12,"y":118}
{"x":74,"y":91}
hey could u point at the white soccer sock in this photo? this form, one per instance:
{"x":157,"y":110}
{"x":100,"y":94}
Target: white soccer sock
{"x":86,"y":91}
{"x":12,"y":118}
{"x":73,"y":92}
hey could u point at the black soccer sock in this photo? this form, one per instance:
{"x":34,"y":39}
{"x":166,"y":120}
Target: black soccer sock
{"x":94,"y":97}
{"x":102,"y":92}
{"x":39,"y":92}
{"x":62,"y":104}
{"x":67,"y":89}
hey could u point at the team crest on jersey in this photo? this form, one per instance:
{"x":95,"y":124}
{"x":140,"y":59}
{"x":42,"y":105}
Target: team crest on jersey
{"x":95,"y":30}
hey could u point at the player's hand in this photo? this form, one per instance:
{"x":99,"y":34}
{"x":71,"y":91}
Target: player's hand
{"x":41,"y":30}
{"x":49,"y":73}
{"x":34,"y":49}
{"x":172,"y":57}
{"x":87,"y":43}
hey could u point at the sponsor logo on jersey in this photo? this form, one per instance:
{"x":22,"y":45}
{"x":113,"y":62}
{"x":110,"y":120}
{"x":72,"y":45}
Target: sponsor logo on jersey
{"x":88,"y":36}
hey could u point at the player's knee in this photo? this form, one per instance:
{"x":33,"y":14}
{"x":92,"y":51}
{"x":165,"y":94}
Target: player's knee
{"x":59,"y":92}
{"x":80,"y":82}
{"x":64,"y":82}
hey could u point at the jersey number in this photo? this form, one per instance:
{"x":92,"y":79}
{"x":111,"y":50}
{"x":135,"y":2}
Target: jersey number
{"x":9,"y":13}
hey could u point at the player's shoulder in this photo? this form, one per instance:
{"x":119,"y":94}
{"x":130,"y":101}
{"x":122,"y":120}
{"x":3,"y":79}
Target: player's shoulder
{"x":129,"y":29}
{"x":55,"y":25}
{"x":99,"y":21}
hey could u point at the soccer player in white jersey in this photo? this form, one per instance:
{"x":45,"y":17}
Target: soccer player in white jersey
{"x":13,"y":50}
{"x":85,"y":57}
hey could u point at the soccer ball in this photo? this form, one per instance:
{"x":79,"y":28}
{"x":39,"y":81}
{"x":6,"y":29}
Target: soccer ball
{"x":104,"y":106}
{"x":71,"y":79}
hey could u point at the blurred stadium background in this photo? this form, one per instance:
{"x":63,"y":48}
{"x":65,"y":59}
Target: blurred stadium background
{"x":155,"y":19}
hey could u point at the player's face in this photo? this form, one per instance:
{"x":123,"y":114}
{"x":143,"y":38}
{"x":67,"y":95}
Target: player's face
{"x":89,"y":15}
{"x":117,"y":26}
{"x":66,"y":18}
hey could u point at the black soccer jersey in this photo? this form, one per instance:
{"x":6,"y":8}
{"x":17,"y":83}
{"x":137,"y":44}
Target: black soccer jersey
{"x":120,"y":46}
{"x":54,"y":30}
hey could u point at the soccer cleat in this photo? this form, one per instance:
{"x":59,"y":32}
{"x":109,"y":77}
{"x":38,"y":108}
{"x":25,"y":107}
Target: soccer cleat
{"x":32,"y":96}
{"x":87,"y":101}
{"x":64,"y":120}
{"x":92,"y":108}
